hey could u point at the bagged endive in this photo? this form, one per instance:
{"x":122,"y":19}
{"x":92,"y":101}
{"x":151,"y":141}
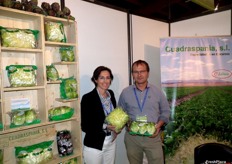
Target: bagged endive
{"x":68,"y":88}
{"x":21,"y":75}
{"x":60,"y":113}
{"x":19,"y":38}
{"x":52,"y":73}
{"x":67,"y":54}
{"x":54,"y":31}
{"x":34,"y":154}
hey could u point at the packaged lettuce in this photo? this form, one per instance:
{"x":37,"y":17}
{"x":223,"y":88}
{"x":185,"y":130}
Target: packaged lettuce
{"x":142,"y":128}
{"x":118,"y":118}
{"x":20,"y":38}
{"x":134,"y":127}
{"x":1,"y":156}
{"x":34,"y":154}
{"x":21,"y":117}
{"x":18,"y":117}
{"x":30,"y":116}
{"x":60,"y":113}
{"x":70,"y":161}
{"x":21,"y":75}
{"x":1,"y":126}
{"x":52,"y":73}
{"x":67,"y":54}
{"x":54,"y":31}
{"x":68,"y":88}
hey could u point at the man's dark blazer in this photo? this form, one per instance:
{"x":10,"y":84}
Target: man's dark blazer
{"x":93,"y":117}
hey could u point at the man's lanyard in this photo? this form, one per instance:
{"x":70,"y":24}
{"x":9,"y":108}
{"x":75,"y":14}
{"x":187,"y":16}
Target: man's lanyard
{"x":144,"y":99}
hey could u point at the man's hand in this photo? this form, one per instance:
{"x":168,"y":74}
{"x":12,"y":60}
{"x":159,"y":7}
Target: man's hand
{"x":156,"y":133}
{"x":158,"y":128}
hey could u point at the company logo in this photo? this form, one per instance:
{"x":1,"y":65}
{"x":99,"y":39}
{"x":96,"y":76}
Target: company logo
{"x":221,"y":74}
{"x":215,"y":162}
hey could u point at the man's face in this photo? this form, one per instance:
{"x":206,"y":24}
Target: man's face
{"x":140,"y":74}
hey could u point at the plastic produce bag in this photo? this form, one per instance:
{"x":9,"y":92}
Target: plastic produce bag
{"x":20,"y":38}
{"x":21,"y":117}
{"x":142,"y":128}
{"x":21,"y":75}
{"x":68,"y":88}
{"x":64,"y":143}
{"x":60,"y":113}
{"x":118,"y":118}
{"x":52,"y":73}
{"x":54,"y":31}
{"x":34,"y":154}
{"x":70,"y":161}
{"x":1,"y":156}
{"x":67,"y":54}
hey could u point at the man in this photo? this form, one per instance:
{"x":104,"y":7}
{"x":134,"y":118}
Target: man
{"x":144,"y":101}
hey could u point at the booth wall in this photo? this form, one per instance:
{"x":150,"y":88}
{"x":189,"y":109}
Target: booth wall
{"x":102,"y":40}
{"x":209,"y":25}
{"x":146,"y":43}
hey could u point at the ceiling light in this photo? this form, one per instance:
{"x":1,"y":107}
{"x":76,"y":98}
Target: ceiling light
{"x":216,"y":8}
{"x":208,"y":4}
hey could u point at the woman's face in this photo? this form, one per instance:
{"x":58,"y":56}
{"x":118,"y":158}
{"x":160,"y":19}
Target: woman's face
{"x":104,"y":80}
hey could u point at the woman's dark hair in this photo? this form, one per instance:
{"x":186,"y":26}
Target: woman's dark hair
{"x":98,"y":71}
{"x":141,"y":62}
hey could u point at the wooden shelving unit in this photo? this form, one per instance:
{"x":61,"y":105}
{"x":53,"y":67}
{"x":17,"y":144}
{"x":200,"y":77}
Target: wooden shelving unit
{"x":46,"y":94}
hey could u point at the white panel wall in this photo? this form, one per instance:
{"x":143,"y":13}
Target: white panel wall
{"x":103,"y":41}
{"x":209,"y":25}
{"x":146,"y":43}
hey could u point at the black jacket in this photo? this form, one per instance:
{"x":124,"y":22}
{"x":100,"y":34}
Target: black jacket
{"x":92,"y":119}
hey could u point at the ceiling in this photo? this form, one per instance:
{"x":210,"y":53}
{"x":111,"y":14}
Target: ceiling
{"x":166,"y":10}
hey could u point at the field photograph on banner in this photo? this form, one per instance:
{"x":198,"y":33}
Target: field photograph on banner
{"x":196,"y":76}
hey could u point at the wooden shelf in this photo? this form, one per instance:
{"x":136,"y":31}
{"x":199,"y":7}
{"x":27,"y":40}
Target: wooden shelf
{"x":20,"y":49}
{"x":65,"y":21}
{"x":11,"y":89}
{"x":47,"y":43}
{"x":54,"y":82}
{"x":65,"y":63}
{"x":44,"y":95}
{"x":66,"y":100}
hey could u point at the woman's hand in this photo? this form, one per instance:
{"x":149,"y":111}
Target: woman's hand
{"x":114,"y":135}
{"x":113,"y":131}
{"x":110,"y":127}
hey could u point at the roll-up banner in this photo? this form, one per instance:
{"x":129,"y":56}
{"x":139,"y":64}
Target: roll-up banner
{"x":196,"y":76}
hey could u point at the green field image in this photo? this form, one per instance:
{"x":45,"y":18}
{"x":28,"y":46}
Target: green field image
{"x":207,"y":112}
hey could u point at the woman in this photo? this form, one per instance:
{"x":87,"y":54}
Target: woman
{"x":99,"y":140}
